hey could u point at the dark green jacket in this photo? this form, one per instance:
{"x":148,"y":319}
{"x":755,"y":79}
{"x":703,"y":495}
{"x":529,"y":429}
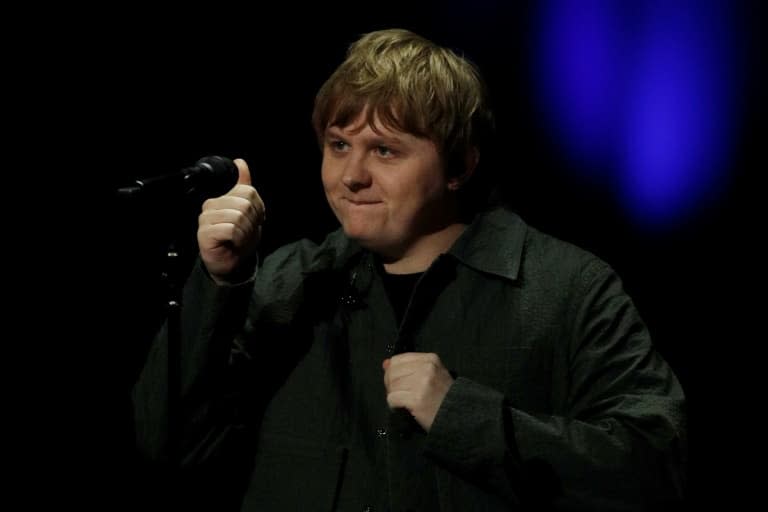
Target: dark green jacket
{"x":560,"y":400}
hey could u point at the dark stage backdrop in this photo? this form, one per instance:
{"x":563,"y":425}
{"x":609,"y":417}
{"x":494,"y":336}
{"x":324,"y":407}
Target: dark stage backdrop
{"x":160,"y":91}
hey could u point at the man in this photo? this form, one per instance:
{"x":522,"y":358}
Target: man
{"x":428,"y":355}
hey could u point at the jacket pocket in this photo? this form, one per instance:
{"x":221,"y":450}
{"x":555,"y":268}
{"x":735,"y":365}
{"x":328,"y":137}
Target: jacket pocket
{"x":459,"y":495}
{"x":293,"y":474}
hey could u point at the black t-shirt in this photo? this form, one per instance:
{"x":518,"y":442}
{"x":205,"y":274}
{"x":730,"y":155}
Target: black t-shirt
{"x":399,"y":288}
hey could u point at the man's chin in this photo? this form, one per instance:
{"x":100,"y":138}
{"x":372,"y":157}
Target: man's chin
{"x":374,"y":244}
{"x":363,"y":237}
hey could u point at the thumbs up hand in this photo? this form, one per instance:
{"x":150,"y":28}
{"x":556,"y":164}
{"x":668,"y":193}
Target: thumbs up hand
{"x":229,"y":228}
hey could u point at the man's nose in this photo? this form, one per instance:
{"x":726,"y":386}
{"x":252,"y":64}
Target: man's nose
{"x":356,"y":174}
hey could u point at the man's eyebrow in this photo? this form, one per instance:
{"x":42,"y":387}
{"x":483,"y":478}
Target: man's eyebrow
{"x":332,"y":131}
{"x":376,"y":138}
{"x":390,"y":139}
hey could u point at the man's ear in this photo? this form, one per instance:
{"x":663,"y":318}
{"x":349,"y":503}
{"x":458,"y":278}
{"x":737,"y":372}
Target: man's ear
{"x":471,"y":159}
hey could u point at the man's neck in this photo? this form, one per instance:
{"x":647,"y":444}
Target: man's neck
{"x":420,"y":255}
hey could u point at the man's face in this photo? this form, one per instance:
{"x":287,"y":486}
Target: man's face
{"x":388,"y":189}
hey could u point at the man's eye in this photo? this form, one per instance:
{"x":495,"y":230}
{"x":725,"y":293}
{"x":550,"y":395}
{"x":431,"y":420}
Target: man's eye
{"x":384,"y":151}
{"x":338,"y":145}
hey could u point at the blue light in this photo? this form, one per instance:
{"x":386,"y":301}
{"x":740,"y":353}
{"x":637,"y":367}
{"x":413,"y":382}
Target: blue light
{"x":646,"y":91}
{"x":578,"y":75}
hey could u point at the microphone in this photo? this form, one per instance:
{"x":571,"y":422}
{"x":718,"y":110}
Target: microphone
{"x":211,"y":175}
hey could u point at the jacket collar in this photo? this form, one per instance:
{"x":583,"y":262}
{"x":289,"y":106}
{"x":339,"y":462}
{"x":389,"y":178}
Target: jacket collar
{"x":493,"y":243}
{"x":334,"y":254}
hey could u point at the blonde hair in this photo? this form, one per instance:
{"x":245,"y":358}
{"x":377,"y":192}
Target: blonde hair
{"x":413,"y":85}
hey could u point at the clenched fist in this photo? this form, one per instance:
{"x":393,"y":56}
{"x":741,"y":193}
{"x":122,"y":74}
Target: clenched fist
{"x":229,"y":227}
{"x":417,"y":382}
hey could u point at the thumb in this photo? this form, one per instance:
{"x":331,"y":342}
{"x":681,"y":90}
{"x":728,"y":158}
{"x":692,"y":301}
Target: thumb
{"x":243,"y":174}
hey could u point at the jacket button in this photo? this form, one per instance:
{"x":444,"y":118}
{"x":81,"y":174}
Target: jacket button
{"x":368,"y":509}
{"x":381,"y":432}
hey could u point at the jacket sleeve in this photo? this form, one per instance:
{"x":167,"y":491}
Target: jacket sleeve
{"x":619,"y":443}
{"x":209,"y":318}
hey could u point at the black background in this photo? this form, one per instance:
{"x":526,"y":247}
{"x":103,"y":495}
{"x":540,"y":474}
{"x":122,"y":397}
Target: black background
{"x":143,"y":93}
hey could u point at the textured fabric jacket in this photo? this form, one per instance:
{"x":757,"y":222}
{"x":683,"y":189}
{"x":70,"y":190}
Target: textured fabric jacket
{"x":560,"y":401}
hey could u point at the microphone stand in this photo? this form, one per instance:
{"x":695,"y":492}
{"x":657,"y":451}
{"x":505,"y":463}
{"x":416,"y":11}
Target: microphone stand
{"x":173,"y":292}
{"x":173,"y":209}
{"x":212,"y":175}
{"x":173,"y":277}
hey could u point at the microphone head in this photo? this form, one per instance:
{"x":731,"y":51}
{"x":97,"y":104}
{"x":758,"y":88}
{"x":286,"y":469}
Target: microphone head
{"x":215,"y":174}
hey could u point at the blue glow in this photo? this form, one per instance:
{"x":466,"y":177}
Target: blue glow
{"x":578,"y":73}
{"x":643,"y":90}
